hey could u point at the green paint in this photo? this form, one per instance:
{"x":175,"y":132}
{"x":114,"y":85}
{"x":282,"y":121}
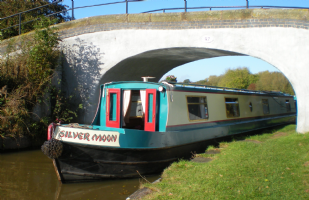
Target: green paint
{"x":113,"y":107}
{"x":150,"y":107}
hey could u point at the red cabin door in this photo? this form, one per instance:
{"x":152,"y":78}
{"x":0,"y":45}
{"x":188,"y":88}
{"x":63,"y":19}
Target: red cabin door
{"x":113,"y":108}
{"x":150,"y":110}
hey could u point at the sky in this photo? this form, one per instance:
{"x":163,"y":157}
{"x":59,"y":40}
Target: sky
{"x":197,"y":70}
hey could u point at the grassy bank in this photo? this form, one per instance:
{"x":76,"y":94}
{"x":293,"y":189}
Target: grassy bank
{"x":268,"y":166}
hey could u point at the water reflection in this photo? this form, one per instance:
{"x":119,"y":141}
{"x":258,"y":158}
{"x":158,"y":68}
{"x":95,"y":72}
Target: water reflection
{"x":31,"y":175}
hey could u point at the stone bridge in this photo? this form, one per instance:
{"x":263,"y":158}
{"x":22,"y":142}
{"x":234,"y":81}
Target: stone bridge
{"x":126,"y":47}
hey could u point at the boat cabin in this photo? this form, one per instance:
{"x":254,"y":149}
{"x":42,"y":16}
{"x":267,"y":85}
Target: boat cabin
{"x":162,"y":107}
{"x":132,"y":105}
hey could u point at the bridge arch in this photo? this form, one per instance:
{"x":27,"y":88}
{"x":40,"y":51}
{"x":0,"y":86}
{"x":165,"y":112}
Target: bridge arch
{"x":128,"y":50}
{"x":158,"y":62}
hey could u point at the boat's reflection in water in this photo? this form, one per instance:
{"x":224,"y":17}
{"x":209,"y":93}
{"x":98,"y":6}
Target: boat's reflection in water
{"x":30,"y":175}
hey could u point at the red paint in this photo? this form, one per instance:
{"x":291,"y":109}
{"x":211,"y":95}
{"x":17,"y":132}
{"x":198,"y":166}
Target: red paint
{"x":103,"y":138}
{"x":50,"y":130}
{"x":86,"y":136}
{"x":114,"y":137}
{"x":150,"y":126}
{"x":61,"y":134}
{"x":111,"y":123}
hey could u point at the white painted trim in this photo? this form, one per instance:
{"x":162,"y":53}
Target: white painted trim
{"x":87,"y":136}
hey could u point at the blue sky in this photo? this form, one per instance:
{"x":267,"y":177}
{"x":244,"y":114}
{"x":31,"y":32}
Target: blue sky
{"x":197,"y":70}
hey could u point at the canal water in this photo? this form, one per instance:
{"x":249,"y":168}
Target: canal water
{"x":31,"y":175}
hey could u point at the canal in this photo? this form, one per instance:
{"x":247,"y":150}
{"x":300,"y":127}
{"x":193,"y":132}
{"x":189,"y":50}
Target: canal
{"x":30,"y":175}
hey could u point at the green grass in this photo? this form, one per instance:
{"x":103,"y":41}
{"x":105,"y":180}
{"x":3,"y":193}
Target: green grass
{"x":276,"y":168}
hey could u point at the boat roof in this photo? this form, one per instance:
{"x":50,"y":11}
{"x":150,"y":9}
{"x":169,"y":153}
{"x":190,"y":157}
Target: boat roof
{"x":204,"y":88}
{"x":188,"y":86}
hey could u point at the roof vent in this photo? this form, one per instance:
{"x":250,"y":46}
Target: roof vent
{"x":145,"y":78}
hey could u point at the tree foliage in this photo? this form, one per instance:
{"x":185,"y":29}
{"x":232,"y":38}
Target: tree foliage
{"x":242,"y":78}
{"x":211,"y":80}
{"x":274,"y":81}
{"x":9,"y":7}
{"x":237,"y":78}
{"x":26,"y":81}
{"x":186,"y":81}
{"x":171,"y":78}
{"x":27,"y":75}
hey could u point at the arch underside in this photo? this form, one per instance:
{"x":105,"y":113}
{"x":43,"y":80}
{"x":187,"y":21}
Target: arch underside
{"x":158,"y":62}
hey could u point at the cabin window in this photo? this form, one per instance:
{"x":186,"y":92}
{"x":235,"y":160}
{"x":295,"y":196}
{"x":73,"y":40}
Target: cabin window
{"x":113,"y":107}
{"x":265,"y":106}
{"x":150,"y":108}
{"x":250,"y":106}
{"x":197,"y":108}
{"x":288,"y":106}
{"x":232,"y":107}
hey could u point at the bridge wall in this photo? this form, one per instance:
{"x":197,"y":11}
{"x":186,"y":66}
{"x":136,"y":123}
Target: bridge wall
{"x":126,"y":47}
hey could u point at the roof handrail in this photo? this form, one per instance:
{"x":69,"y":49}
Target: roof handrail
{"x":225,"y":88}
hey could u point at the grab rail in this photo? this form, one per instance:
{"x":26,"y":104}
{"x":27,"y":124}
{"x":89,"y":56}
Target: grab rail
{"x":225,"y":88}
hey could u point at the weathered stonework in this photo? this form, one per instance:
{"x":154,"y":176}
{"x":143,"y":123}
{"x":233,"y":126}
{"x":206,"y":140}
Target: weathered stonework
{"x":174,"y":25}
{"x":247,"y":18}
{"x":256,"y":18}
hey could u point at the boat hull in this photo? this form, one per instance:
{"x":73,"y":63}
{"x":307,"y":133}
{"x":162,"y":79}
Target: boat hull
{"x":84,"y":162}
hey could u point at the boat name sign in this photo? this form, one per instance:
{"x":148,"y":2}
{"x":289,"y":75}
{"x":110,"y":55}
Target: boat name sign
{"x":86,"y":136}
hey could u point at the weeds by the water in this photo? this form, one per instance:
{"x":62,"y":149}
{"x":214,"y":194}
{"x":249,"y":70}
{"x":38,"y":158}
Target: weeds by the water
{"x":275,"y":167}
{"x":26,"y":71}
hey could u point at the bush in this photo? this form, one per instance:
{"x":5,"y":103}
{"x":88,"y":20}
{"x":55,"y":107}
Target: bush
{"x":26,"y":73}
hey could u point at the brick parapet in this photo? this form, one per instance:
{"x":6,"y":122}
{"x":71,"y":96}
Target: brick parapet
{"x":208,"y":24}
{"x":248,"y":18}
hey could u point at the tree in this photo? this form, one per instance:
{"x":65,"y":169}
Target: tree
{"x":187,"y":81}
{"x":242,"y":78}
{"x":27,"y":76}
{"x":274,"y":81}
{"x":252,"y":86}
{"x":214,"y":80}
{"x":211,"y":80}
{"x":238,"y":78}
{"x":8,"y":8}
{"x":171,"y":78}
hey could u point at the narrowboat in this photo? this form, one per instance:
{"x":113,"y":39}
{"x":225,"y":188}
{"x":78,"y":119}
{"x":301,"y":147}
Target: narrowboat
{"x":140,"y":128}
